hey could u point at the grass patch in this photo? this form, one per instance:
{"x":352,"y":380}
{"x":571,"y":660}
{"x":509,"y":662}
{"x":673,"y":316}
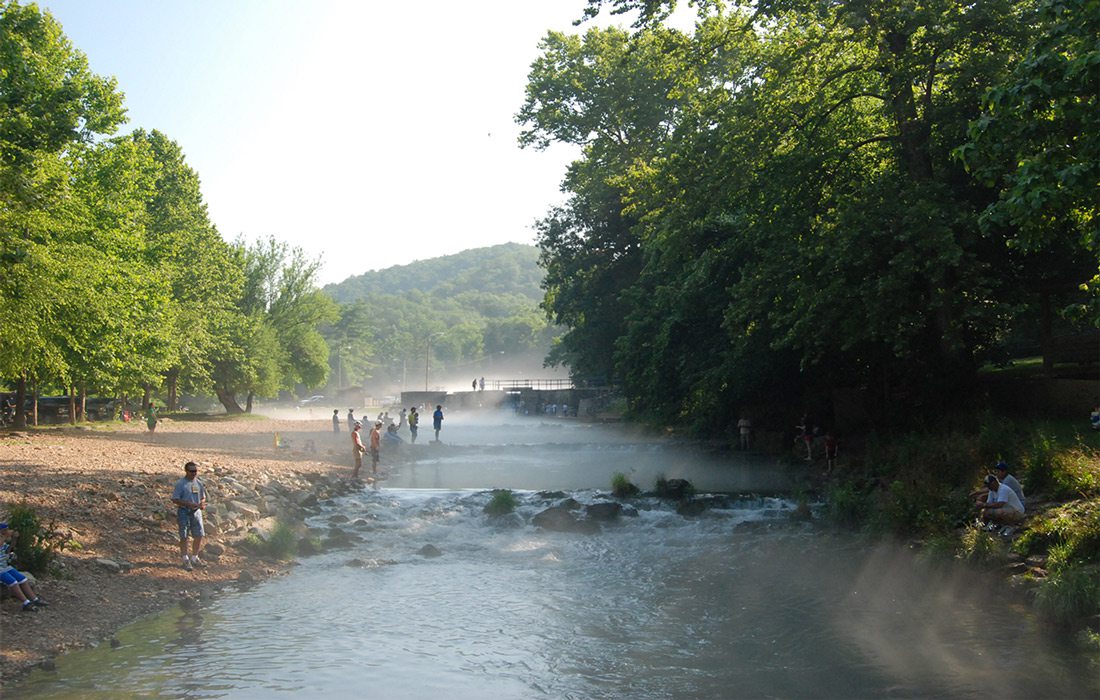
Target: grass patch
{"x":503,"y":502}
{"x":281,"y":543}
{"x":1070,"y":595}
{"x":621,"y":487}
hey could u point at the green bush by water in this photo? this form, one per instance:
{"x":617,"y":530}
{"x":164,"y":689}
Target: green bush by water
{"x":621,"y":486}
{"x":502,"y":503}
{"x":281,"y":544}
{"x":34,"y":546}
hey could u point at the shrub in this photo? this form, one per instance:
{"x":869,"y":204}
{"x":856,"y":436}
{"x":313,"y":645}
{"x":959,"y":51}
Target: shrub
{"x":282,"y":543}
{"x":847,"y":506}
{"x":1039,"y":463}
{"x":503,"y":502}
{"x":979,"y":546}
{"x":1070,"y":595}
{"x":621,"y":486}
{"x":35,"y":547}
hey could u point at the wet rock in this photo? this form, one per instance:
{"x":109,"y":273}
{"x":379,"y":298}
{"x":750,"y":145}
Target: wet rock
{"x":603,"y":511}
{"x":338,"y":518}
{"x":245,"y":578}
{"x":690,"y":509}
{"x":115,"y":644}
{"x":558,"y":519}
{"x":570,"y":504}
{"x":305,"y":499}
{"x":429,"y":550}
{"x":355,"y":563}
{"x":509,"y":521}
{"x":675,"y":489}
{"x":48,"y":665}
{"x":307,"y":546}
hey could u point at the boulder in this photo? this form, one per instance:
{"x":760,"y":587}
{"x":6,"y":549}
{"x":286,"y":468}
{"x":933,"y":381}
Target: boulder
{"x":603,"y":511}
{"x":558,"y":519}
{"x":429,"y":551}
{"x":244,"y":509}
{"x":109,"y":564}
{"x":675,"y":489}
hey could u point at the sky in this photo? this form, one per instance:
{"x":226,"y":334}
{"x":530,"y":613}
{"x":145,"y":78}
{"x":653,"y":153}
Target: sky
{"x":368,"y":134}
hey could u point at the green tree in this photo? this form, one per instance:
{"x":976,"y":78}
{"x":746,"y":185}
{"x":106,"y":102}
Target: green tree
{"x":49,"y":102}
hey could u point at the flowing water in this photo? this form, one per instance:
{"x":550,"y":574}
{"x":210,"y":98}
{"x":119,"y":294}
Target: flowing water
{"x":734,"y":603}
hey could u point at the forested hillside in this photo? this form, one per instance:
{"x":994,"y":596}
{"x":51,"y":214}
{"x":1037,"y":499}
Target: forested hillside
{"x":468,"y":310}
{"x":505,"y":270}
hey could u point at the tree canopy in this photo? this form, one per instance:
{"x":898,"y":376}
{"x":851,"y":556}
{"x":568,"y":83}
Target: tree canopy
{"x":778,"y":204}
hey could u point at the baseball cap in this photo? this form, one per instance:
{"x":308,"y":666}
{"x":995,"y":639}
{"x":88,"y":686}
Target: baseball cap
{"x":990,"y":480}
{"x":1002,"y":465}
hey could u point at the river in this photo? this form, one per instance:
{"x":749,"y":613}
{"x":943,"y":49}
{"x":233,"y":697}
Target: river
{"x":737,"y":602}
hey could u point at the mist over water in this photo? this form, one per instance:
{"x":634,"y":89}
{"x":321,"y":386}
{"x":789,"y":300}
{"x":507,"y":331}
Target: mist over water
{"x":735,"y":603}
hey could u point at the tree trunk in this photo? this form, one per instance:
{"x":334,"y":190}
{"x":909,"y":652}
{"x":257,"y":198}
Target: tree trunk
{"x":228,"y":400}
{"x":172,"y":382}
{"x":72,"y":404}
{"x":248,"y":403}
{"x":34,"y":402}
{"x":147,"y":395}
{"x":21,"y":402}
{"x":83,"y":401}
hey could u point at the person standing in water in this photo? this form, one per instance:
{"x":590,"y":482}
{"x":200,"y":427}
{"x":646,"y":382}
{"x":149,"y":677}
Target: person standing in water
{"x":414,"y":424}
{"x":336,"y":421}
{"x":437,"y":421}
{"x":375,"y":447}
{"x":357,"y":449}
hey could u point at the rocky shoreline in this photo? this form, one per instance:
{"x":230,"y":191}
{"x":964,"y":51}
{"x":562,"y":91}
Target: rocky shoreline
{"x":104,"y":491}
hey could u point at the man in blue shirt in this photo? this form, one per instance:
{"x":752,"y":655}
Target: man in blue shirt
{"x":190,"y":499}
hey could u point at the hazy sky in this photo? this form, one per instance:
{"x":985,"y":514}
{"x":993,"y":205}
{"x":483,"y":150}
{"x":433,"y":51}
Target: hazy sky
{"x":371,"y":134}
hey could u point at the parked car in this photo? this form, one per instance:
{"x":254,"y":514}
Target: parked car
{"x":312,"y":400}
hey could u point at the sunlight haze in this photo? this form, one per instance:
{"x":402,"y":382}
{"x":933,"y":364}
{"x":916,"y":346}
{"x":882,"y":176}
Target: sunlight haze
{"x":369,"y":134}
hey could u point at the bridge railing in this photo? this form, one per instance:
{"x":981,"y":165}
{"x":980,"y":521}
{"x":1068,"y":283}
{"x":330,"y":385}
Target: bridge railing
{"x":506,"y":384}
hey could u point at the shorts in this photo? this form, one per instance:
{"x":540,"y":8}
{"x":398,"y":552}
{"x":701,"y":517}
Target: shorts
{"x":190,"y":521}
{"x":374,"y":456}
{"x":11,"y":577}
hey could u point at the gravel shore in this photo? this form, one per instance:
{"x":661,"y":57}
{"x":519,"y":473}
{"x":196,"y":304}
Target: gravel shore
{"x":107,"y":488}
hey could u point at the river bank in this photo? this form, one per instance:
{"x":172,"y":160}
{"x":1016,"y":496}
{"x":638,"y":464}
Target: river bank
{"x":105,"y":490}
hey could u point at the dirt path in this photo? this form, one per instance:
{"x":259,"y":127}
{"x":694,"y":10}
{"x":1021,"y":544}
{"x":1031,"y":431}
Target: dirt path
{"x":109,"y":490}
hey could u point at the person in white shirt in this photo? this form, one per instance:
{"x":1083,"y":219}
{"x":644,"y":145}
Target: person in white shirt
{"x":1002,"y":505}
{"x":1001,"y":470}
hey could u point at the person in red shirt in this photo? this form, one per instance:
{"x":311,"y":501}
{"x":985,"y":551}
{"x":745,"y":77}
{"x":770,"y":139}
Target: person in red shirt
{"x":375,"y":446}
{"x":357,"y":448}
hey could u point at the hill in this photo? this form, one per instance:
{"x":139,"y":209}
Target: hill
{"x":505,"y":270}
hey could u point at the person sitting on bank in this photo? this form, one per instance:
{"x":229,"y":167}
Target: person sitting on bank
{"x":1001,"y":471}
{"x":1002,"y":505}
{"x":11,"y":577}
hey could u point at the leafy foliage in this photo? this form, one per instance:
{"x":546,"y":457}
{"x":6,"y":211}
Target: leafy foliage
{"x":502,"y":503}
{"x":778,"y":208}
{"x":35,"y":545}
